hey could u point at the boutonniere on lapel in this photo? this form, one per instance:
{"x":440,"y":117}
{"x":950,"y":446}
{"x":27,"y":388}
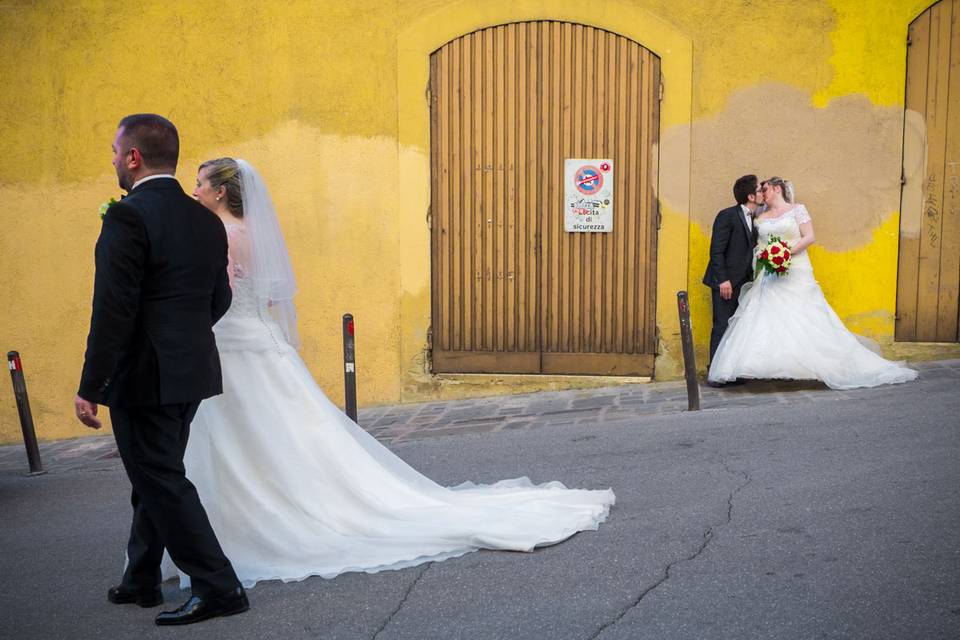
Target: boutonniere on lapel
{"x":106,"y":206}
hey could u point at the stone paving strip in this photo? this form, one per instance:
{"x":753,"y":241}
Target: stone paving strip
{"x":407,"y":422}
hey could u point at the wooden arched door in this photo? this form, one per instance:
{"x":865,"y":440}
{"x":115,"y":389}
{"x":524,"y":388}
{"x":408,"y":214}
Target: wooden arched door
{"x":928,"y":279}
{"x":512,"y":291}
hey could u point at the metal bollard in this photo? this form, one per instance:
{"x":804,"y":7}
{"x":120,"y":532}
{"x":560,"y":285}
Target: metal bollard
{"x":26,"y":418}
{"x":349,"y":369}
{"x":689,"y":359}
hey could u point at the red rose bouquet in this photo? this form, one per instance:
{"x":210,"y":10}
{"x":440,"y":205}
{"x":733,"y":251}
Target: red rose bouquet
{"x":775,"y":257}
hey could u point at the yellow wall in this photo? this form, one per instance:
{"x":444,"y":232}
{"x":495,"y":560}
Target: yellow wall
{"x":327,"y":100}
{"x":820,"y":101}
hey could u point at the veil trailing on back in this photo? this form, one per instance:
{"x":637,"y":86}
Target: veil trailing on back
{"x":270,"y":268}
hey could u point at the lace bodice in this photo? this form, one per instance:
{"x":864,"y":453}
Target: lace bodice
{"x":786,"y":227}
{"x":245,"y":302}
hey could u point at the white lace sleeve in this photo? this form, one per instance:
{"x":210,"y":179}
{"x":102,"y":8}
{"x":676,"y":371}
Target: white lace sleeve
{"x":803,"y":216}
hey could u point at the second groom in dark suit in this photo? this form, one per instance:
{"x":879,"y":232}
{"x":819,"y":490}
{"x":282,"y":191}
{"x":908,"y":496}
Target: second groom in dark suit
{"x":160,"y":285}
{"x":731,"y":254}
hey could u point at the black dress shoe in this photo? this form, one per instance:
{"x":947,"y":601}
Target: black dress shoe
{"x":197,"y":609}
{"x":127,"y":595}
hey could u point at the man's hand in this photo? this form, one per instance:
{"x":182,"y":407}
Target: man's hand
{"x":726,"y":290}
{"x":87,"y":412}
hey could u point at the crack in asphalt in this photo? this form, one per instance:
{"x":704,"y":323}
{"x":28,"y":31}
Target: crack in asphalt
{"x":402,"y":602}
{"x":707,"y":537}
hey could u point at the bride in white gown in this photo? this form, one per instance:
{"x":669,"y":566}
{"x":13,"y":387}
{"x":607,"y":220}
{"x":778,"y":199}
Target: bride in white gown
{"x":292,"y":487}
{"x":784,"y":327}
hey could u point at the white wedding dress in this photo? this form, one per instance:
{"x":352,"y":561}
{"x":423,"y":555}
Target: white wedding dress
{"x":784,"y":328}
{"x":294,"y":488}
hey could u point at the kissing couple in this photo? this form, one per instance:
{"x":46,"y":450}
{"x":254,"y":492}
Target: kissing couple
{"x":779,"y":325}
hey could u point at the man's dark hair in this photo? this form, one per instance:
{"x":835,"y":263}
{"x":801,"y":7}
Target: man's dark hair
{"x":743,"y":187}
{"x":154,"y":136}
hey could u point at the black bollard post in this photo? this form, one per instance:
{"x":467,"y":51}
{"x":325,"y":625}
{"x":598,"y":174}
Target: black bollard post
{"x":689,"y":359}
{"x":349,"y":369}
{"x":26,"y":418}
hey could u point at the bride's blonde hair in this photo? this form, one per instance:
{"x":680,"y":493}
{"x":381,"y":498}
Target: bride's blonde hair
{"x":786,"y":187}
{"x":224,"y":172}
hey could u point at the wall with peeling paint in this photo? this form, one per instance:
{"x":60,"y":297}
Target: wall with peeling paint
{"x":830,"y":118}
{"x":326,"y":98}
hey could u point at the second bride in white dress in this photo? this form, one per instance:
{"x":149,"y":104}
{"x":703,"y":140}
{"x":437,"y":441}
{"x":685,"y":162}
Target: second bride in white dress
{"x":292,"y":486}
{"x":784,"y":327}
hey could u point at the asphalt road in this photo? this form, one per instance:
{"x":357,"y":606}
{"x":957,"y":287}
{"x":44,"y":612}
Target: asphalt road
{"x":833,"y":517}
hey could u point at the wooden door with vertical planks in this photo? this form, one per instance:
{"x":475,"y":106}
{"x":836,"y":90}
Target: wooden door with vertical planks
{"x":512,"y":292}
{"x":928,"y":278}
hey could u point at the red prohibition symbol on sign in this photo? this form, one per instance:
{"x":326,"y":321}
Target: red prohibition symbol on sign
{"x":588,"y":180}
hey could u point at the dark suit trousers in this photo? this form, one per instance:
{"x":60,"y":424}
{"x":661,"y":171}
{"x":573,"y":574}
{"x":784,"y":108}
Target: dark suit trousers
{"x":723,"y":310}
{"x":166,"y":508}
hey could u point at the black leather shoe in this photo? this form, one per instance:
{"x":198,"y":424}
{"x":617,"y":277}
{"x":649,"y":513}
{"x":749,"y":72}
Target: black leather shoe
{"x":128,"y":595}
{"x":197,"y":609}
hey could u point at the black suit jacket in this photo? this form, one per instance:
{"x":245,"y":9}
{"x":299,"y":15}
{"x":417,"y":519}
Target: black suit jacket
{"x":731,"y":249}
{"x":161,"y":284}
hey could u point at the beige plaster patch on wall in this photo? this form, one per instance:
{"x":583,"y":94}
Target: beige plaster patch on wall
{"x":844,"y":159}
{"x":336,"y":201}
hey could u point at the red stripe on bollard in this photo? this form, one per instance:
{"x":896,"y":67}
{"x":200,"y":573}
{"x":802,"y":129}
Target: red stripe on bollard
{"x":349,"y":368}
{"x":23,"y":409}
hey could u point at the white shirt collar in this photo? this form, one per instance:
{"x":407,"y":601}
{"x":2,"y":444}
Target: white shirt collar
{"x":747,"y":215}
{"x":156,"y":175}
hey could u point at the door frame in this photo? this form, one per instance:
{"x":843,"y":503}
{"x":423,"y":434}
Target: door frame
{"x":916,"y":146}
{"x":540,"y":244}
{"x":431,"y":31}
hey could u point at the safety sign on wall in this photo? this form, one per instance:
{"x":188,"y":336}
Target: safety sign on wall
{"x":588,"y":191}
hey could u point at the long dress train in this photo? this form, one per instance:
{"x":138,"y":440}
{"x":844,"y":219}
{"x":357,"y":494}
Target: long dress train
{"x":785,"y":328}
{"x":294,"y":488}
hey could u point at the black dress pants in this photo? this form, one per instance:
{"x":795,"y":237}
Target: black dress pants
{"x":723,"y":310}
{"x":166,"y":508}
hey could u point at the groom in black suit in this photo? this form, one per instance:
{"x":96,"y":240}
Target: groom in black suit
{"x":731,"y":254}
{"x":160,"y":285}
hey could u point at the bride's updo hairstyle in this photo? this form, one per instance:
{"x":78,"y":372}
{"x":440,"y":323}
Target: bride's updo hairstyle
{"x":224,"y":172}
{"x":786,"y":187}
